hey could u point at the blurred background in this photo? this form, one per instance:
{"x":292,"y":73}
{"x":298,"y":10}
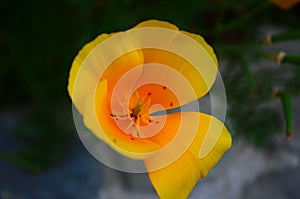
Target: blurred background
{"x":258,"y":46}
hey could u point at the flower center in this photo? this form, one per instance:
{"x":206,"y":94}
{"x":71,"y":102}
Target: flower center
{"x":133,"y":115}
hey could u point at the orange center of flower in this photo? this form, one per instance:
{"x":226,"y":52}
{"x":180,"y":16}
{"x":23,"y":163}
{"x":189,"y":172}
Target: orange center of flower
{"x":136,"y":120}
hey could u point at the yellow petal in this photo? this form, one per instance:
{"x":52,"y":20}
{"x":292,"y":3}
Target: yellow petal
{"x":97,"y":118}
{"x":87,"y":77}
{"x":156,"y":23}
{"x":179,"y":178}
{"x":196,"y":62}
{"x":202,"y":42}
{"x":200,"y":84}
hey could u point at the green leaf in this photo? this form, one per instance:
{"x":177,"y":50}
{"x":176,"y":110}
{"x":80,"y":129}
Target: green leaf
{"x":292,"y":59}
{"x":287,"y":107}
{"x":285,"y":36}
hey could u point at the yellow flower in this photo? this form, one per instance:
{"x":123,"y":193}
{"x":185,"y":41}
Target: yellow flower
{"x":120,"y":80}
{"x":285,"y":4}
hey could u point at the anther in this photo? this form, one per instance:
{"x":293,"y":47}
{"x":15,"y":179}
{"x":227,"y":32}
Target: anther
{"x":113,"y":115}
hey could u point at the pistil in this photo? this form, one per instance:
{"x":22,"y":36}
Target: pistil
{"x":136,"y":110}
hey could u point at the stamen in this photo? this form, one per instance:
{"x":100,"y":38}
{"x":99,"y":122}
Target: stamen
{"x":136,"y":115}
{"x":129,"y":126}
{"x":113,"y":115}
{"x":137,"y":134}
{"x":123,"y":105}
{"x":138,"y":129}
{"x":120,"y":116}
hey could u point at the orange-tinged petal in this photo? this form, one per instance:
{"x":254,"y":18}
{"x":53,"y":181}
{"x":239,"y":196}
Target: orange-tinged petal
{"x":285,"y":4}
{"x":121,"y":66}
{"x":117,"y":70}
{"x":169,"y":130}
{"x":159,"y":94}
{"x":199,"y":84}
{"x":107,"y":57}
{"x":173,"y":90}
{"x":179,"y":178}
{"x":97,"y":118}
{"x":174,"y":50}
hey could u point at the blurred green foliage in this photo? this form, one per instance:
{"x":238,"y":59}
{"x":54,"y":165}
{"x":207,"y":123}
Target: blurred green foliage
{"x":39,"y":40}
